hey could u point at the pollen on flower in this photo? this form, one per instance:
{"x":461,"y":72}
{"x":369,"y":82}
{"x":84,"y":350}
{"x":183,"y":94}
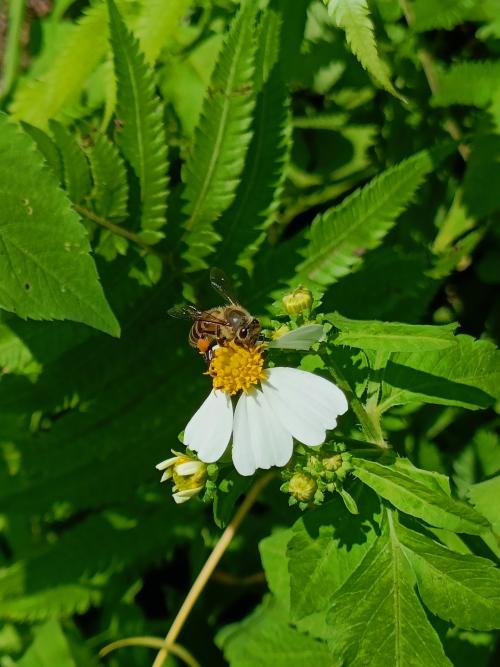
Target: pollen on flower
{"x":235,"y":368}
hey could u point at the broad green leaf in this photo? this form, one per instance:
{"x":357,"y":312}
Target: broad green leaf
{"x":485,"y":497}
{"x":353,"y":16}
{"x":45,"y":267}
{"x":215,"y":164}
{"x":110,"y":191}
{"x":391,"y":336}
{"x":466,"y":375}
{"x":76,"y":170}
{"x":471,"y":83}
{"x":339,"y":236}
{"x":429,"y":15}
{"x":49,"y":648}
{"x":299,"y":339}
{"x":265,"y":639}
{"x":273,"y":553}
{"x":327,"y":546}
{"x":460,"y":588}
{"x":377,"y":618}
{"x":158,"y":25}
{"x":416,"y":498}
{"x":142,"y":137}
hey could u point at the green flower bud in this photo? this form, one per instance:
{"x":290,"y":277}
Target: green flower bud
{"x":298,"y":301}
{"x":302,"y":487}
{"x":333,"y":463}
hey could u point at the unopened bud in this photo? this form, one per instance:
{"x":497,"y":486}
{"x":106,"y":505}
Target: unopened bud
{"x":302,"y":487}
{"x":333,"y":463}
{"x":298,"y":301}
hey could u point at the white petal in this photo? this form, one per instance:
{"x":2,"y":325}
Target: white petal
{"x":306,"y":404}
{"x":182,"y":496}
{"x":259,"y":440}
{"x":167,"y":463}
{"x":188,"y":468}
{"x":209,"y":429}
{"x":166,"y":475}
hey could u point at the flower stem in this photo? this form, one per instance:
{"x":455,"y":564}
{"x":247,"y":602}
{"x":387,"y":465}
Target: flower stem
{"x":210,"y":565}
{"x":428,"y":66}
{"x":369,"y":420}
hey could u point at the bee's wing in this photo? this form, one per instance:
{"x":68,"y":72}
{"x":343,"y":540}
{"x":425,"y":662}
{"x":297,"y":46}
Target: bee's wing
{"x":222,"y":285}
{"x":185,"y":312}
{"x":190,"y":312}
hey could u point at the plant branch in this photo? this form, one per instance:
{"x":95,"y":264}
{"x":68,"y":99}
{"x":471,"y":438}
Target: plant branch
{"x":429,"y":68}
{"x":369,"y":420}
{"x":210,"y":565}
{"x":151,"y":642}
{"x":11,"y":56}
{"x":118,"y":230}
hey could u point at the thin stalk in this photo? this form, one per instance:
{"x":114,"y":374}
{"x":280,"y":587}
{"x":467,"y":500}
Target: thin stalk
{"x":151,"y":642}
{"x":210,"y":565}
{"x":13,"y":46}
{"x":429,"y":68}
{"x":117,"y":229}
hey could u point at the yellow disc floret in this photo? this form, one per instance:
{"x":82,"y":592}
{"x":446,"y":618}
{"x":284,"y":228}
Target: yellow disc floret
{"x":236,"y":368}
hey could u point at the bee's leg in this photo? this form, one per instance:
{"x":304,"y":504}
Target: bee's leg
{"x":209,"y":354}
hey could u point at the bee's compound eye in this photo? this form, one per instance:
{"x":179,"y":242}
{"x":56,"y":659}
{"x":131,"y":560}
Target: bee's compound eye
{"x":243,"y":333}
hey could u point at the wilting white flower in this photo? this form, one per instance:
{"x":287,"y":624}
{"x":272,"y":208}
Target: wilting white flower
{"x":188,"y":475}
{"x":275,"y":406}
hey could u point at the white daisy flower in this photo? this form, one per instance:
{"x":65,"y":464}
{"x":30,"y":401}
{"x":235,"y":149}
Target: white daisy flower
{"x":276,"y":405}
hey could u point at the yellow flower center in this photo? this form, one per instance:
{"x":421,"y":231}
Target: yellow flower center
{"x":235,"y":368}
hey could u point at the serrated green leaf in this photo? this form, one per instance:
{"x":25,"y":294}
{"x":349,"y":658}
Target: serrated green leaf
{"x":391,"y":336}
{"x":265,"y":639}
{"x":215,"y":164}
{"x":46,"y":270}
{"x":340,"y":236}
{"x":460,"y":588}
{"x":259,"y":192}
{"x":49,"y":648}
{"x":471,"y":83}
{"x":142,"y":137}
{"x":415,"y":498}
{"x":110,"y":191}
{"x":327,"y":546}
{"x":485,"y":498}
{"x":353,"y":16}
{"x":429,"y":15}
{"x":466,"y":375}
{"x":39,"y":99}
{"x":76,"y":170}
{"x":47,"y":148}
{"x":377,"y":619}
{"x":158,"y":25}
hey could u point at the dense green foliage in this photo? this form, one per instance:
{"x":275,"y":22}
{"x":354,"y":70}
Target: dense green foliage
{"x":351,"y":146}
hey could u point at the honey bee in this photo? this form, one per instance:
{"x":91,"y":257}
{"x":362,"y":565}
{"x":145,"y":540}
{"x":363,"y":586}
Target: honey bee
{"x":219,"y":325}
